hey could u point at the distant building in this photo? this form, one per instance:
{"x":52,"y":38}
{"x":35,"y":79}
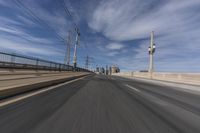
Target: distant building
{"x":144,"y":71}
{"x":107,"y":70}
{"x":115,"y":69}
{"x":110,"y":70}
{"x":102,"y":70}
{"x":97,"y":69}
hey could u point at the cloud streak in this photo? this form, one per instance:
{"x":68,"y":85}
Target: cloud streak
{"x":136,"y":19}
{"x":21,"y":33}
{"x":114,"y":46}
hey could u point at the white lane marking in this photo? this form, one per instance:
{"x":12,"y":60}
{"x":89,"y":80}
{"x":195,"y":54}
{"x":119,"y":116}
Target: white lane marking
{"x":132,"y":88}
{"x":37,"y":92}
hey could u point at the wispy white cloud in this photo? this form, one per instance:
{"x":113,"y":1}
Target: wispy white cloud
{"x":135,"y":19}
{"x":176,"y":25}
{"x":26,"y":47}
{"x":113,"y":53}
{"x":26,"y":21}
{"x":115,"y":46}
{"x":3,"y":3}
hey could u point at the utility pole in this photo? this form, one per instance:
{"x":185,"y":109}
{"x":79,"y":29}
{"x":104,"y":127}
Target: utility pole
{"x":75,"y":47}
{"x":67,"y":53}
{"x":107,"y":70}
{"x":151,"y":50}
{"x":110,"y":70}
{"x":68,"y":47}
{"x":87,"y":62}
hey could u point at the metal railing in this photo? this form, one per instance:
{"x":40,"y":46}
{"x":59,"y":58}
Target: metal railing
{"x":14,"y":61}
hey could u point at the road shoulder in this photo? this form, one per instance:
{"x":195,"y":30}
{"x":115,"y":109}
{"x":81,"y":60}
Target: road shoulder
{"x":181,"y":87}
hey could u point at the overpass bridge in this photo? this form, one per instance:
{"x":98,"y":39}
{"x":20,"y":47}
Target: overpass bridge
{"x":38,"y":96}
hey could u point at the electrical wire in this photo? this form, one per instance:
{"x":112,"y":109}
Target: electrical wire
{"x":38,"y":19}
{"x":69,"y":13}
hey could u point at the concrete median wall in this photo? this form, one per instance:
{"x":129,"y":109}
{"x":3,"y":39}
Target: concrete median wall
{"x":25,"y":71}
{"x":11,"y":87}
{"x":187,"y":78}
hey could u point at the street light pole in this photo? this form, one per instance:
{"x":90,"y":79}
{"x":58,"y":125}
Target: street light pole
{"x":67,"y":52}
{"x":151,"y":52}
{"x":68,"y":48}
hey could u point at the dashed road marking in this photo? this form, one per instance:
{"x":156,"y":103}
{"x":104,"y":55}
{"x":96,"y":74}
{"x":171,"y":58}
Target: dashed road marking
{"x":131,"y":87}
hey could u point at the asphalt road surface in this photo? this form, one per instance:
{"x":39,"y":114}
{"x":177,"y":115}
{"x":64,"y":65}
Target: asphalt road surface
{"x":104,"y":104}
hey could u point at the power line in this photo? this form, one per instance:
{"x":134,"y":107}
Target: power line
{"x":86,"y":46}
{"x":69,"y":13}
{"x":36,"y":18}
{"x":87,"y":62}
{"x":76,"y":30}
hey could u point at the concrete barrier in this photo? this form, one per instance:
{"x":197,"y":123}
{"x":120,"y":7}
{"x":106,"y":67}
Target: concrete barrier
{"x":186,"y":78}
{"x":9,"y":91}
{"x":26,"y":72}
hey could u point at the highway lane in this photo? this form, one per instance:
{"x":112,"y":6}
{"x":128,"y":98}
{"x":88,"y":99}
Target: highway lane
{"x":104,"y":104}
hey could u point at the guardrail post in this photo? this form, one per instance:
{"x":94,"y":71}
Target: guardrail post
{"x":50,"y":67}
{"x":13,"y":62}
{"x":59,"y":67}
{"x":37,"y":64}
{"x":55,"y":67}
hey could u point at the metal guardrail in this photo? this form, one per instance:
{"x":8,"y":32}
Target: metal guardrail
{"x":14,"y":61}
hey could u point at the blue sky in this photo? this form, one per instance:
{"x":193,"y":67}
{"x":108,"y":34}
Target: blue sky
{"x":113,"y":32}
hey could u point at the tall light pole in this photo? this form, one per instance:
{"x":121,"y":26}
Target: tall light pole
{"x":88,"y":61}
{"x":75,"y":47}
{"x":151,"y":50}
{"x":68,"y":47}
{"x":67,"y":53}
